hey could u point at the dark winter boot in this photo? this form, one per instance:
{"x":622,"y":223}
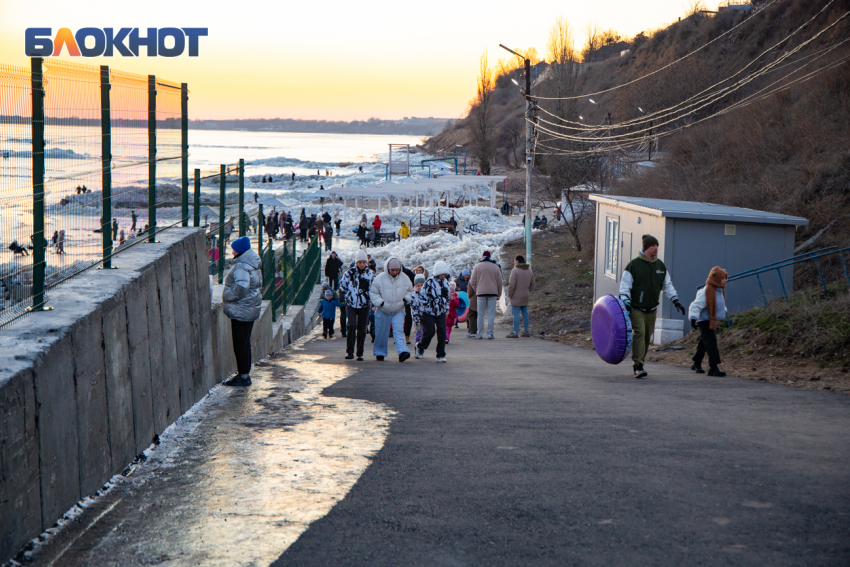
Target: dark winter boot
{"x":238,"y":380}
{"x":714,"y":371}
{"x":697,"y":368}
{"x":402,"y":356}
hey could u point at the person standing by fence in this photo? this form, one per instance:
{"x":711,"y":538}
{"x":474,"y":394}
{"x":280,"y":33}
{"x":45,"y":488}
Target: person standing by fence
{"x":242,"y":299}
{"x":355,"y":286}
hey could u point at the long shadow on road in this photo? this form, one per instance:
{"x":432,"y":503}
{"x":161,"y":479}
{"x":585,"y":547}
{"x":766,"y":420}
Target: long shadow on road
{"x":528,"y":452}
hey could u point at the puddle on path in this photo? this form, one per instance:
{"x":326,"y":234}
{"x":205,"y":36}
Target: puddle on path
{"x":238,"y":479}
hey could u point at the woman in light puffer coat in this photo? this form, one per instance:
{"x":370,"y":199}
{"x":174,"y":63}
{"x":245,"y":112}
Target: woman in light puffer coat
{"x":242,"y":300}
{"x":389,"y":292}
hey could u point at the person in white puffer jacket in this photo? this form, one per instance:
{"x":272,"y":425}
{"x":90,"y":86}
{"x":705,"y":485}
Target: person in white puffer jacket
{"x":389,"y":293}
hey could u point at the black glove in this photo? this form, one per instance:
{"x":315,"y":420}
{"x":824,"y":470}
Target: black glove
{"x":445,"y":292}
{"x":679,"y":306}
{"x":694,"y":323}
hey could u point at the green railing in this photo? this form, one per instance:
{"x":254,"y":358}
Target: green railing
{"x":288,"y":280}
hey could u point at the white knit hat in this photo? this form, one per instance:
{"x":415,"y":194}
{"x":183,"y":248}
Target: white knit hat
{"x":441,"y":268}
{"x":361,"y":256}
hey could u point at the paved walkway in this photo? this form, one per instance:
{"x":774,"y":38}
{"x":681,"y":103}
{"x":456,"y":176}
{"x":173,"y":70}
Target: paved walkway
{"x":516,"y":452}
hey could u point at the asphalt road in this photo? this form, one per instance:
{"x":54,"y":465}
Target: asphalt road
{"x":528,"y":452}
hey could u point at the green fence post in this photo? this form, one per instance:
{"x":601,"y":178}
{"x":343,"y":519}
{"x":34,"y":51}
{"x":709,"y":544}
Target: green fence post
{"x":151,"y":159}
{"x":221,"y":225}
{"x":285,"y":278}
{"x":106,"y":166}
{"x":37,"y":79}
{"x":184,"y":146}
{"x":242,"y":222}
{"x":260,"y":231}
{"x":197,"y":198}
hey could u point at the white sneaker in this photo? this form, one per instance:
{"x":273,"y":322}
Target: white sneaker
{"x":471,"y":336}
{"x":441,"y":359}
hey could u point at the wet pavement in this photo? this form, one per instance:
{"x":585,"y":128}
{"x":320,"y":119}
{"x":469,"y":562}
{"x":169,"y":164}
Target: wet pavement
{"x":516,"y":452}
{"x":236,"y":480}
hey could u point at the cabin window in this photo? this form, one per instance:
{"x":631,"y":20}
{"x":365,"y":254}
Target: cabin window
{"x":612,"y":245}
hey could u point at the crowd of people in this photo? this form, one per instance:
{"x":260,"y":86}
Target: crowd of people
{"x":399,"y":301}
{"x":281,"y":225}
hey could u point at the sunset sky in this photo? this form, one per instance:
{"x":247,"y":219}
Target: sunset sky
{"x":329,"y":60}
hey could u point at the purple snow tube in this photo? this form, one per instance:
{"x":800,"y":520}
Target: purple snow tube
{"x":611,"y":329}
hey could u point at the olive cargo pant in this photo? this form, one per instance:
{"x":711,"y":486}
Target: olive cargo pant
{"x":643,"y":325}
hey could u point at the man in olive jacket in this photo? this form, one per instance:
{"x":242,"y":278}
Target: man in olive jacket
{"x":644,"y":279}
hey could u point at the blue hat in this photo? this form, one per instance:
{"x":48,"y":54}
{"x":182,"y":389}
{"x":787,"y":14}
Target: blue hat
{"x":464,"y":273}
{"x":329,"y":293}
{"x":241,"y":245}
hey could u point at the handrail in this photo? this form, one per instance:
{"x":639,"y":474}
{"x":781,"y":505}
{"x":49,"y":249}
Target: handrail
{"x":790,"y":262}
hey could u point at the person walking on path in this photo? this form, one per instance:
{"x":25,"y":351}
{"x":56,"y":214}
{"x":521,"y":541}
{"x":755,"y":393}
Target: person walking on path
{"x":355,"y":287}
{"x":333,"y":268}
{"x":451,"y":317}
{"x":327,"y":307}
{"x":520,"y":283}
{"x":703,"y":313}
{"x":433,"y":309}
{"x":416,"y":306}
{"x":472,"y":315}
{"x":114,"y":229}
{"x":242,"y":299}
{"x":408,"y":314}
{"x":404,"y":231}
{"x":486,"y":279}
{"x":329,"y":236}
{"x":133,"y":219}
{"x":644,"y":278}
{"x":390,"y":292}
{"x":337,"y":297}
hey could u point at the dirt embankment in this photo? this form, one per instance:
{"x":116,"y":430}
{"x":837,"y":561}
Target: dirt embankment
{"x":805,"y":344}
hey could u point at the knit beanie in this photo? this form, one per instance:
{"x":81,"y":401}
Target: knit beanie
{"x":325,"y":285}
{"x":241,"y":245}
{"x":486,"y":254}
{"x":464,"y":273}
{"x":393,"y":264}
{"x":648,"y":241}
{"x":361,"y":256}
{"x":441,"y":268}
{"x":329,"y":293}
{"x":419,"y":279}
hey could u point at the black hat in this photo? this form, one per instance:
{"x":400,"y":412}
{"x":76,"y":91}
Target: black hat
{"x":649,"y":240}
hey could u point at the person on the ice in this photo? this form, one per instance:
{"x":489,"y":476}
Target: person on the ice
{"x":404,"y":231}
{"x":327,"y":307}
{"x":389,"y":293}
{"x":451,"y":317}
{"x":355,"y":286}
{"x":377,"y":223}
{"x":706,"y":309}
{"x":434,"y":307}
{"x":644,"y":278}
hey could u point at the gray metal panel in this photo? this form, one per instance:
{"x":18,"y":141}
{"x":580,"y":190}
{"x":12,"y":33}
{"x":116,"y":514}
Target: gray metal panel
{"x":702,"y":245}
{"x":696,"y":210}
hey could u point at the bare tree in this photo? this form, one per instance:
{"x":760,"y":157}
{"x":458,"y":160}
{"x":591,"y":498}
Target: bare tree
{"x":592,"y":40}
{"x":482,"y":118}
{"x":560,"y":48}
{"x":693,"y":7}
{"x":574,"y":179}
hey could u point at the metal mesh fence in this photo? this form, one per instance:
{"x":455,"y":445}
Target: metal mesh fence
{"x":16,"y":195}
{"x":92,"y":162}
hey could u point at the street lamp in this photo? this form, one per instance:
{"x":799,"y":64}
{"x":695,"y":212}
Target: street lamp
{"x":529,"y":149}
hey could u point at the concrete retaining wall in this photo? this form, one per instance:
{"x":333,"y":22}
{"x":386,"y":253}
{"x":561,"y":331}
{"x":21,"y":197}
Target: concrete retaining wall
{"x":84,"y":388}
